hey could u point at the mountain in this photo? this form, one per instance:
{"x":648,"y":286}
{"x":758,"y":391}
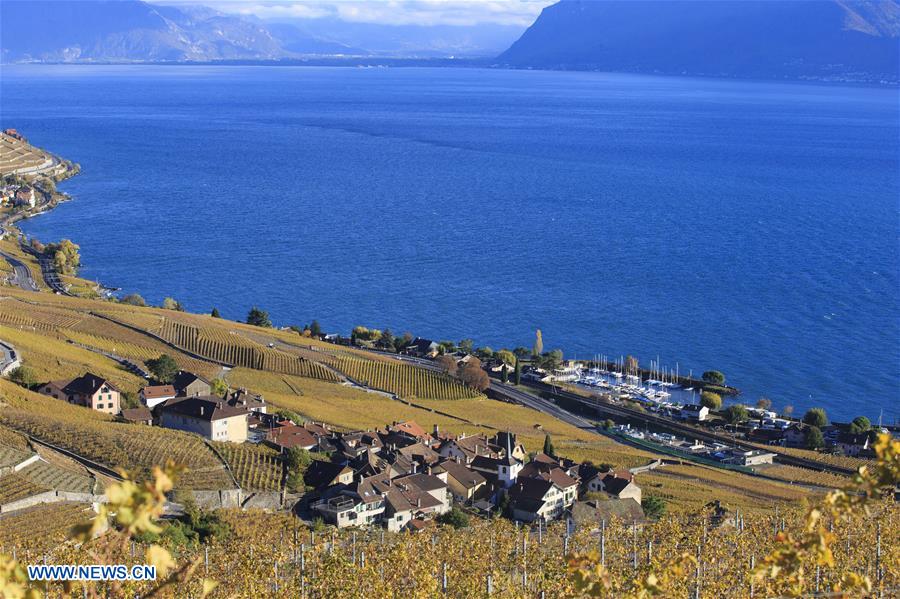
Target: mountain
{"x":91,"y":30}
{"x":820,"y":39}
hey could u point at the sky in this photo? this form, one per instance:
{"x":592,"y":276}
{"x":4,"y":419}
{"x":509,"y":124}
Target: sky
{"x":387,"y":12}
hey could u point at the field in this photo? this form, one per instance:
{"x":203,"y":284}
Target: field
{"x":46,"y":524}
{"x":401,"y":379}
{"x":256,"y":467}
{"x":16,"y":155}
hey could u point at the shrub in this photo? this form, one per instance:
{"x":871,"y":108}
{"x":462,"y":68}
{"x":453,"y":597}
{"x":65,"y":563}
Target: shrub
{"x":455,"y":518}
{"x":815,"y":417}
{"x":736,"y":413}
{"x":814,"y":438}
{"x":714,"y":376}
{"x":133,"y":299}
{"x":711,"y":400}
{"x":654,"y":506}
{"x":24,"y":377}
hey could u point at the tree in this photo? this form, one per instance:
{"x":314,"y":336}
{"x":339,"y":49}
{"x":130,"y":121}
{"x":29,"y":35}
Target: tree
{"x":764,"y":403}
{"x":65,"y":255}
{"x":259,"y":318}
{"x":24,"y":377}
{"x":163,"y":368}
{"x":133,"y":299}
{"x":714,"y":376}
{"x":815,"y":417}
{"x":297,"y":461}
{"x":538,"y":348}
{"x":522,"y":352}
{"x":315,"y":329}
{"x":506,"y":356}
{"x":130,"y":400}
{"x":787,"y":411}
{"x":548,"y":446}
{"x":551,"y":360}
{"x":386,"y":340}
{"x":447,"y":364}
{"x":466,"y":345}
{"x":518,"y":372}
{"x":446,"y":347}
{"x":608,"y":424}
{"x":860,"y":424}
{"x":736,"y":414}
{"x":172,"y":304}
{"x":218,"y":387}
{"x":215,"y":313}
{"x":814,"y":438}
{"x":504,"y":374}
{"x":654,"y":507}
{"x":472,"y":375}
{"x":484,"y":353}
{"x":455,"y":518}
{"x":711,"y":400}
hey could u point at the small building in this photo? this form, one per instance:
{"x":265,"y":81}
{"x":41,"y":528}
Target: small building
{"x":748,"y":457}
{"x":153,"y":395}
{"x":615,"y":483}
{"x":855,"y":444}
{"x":187,"y":384}
{"x":141,"y":415}
{"x":207,"y":416}
{"x":594,"y":513}
{"x":422,"y":348}
{"x":533,"y":499}
{"x":694,"y":412}
{"x":25,"y":197}
{"x":288,"y":435}
{"x":88,"y":390}
{"x":464,"y":483}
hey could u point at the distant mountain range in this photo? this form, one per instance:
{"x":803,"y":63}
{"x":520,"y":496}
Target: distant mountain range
{"x":133,"y":30}
{"x":819,"y":39}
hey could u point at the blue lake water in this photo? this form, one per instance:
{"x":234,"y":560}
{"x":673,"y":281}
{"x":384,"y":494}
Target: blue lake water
{"x":744,"y":226}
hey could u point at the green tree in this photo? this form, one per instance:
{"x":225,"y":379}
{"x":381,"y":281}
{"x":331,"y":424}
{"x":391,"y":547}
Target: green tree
{"x":518,"y":372}
{"x":538,"y":347}
{"x":711,"y":400}
{"x":814,"y":438}
{"x":297,"y":460}
{"x":466,"y":346}
{"x":259,"y":318}
{"x":550,"y":361}
{"x":484,"y":353}
{"x":24,"y":377}
{"x":218,"y":387}
{"x":65,"y":255}
{"x":446,"y":347}
{"x":386,"y":341}
{"x":170,"y":303}
{"x":504,"y":374}
{"x":860,"y":424}
{"x":522,"y":352}
{"x":455,"y":518}
{"x":736,"y":414}
{"x":608,"y":424}
{"x":130,"y":400}
{"x":654,"y":507}
{"x":133,"y":299}
{"x":215,"y":313}
{"x":315,"y":329}
{"x":815,"y":417}
{"x":548,"y":446}
{"x":506,"y":356}
{"x":714,"y":376}
{"x":163,"y":368}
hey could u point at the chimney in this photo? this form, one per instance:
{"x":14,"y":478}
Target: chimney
{"x":418,"y":502}
{"x":437,"y":431}
{"x":201,"y":410}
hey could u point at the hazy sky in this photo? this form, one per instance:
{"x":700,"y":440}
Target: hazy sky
{"x":395,"y":12}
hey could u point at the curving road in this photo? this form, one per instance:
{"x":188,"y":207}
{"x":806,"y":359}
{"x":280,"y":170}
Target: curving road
{"x":21,"y":274}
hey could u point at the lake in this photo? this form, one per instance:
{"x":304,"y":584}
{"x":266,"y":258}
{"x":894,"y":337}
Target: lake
{"x":749,"y":227}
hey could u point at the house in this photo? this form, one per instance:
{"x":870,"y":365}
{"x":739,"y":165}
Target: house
{"x":187,"y":384}
{"x":694,"y":412}
{"x":503,"y":471}
{"x":533,"y":499}
{"x":208,"y":416}
{"x":854,"y":444}
{"x":464,"y":483}
{"x":250,"y":402}
{"x":467,"y":448}
{"x":321,"y":475}
{"x":25,"y":197}
{"x":88,"y":390}
{"x":288,"y":435}
{"x":615,"y":483}
{"x":412,"y":430}
{"x":422,"y":348}
{"x":508,"y":441}
{"x":748,"y":457}
{"x":139,"y":415}
{"x":153,"y":395}
{"x":795,"y":435}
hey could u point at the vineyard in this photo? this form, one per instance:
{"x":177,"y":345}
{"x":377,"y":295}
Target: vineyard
{"x":256,"y":468}
{"x":48,"y":524}
{"x":230,"y":348}
{"x":14,"y":486}
{"x":52,"y":477}
{"x":401,"y":379}
{"x":109,"y":443}
{"x":273,"y":555}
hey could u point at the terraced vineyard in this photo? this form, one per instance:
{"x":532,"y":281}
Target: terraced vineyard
{"x":113,"y":444}
{"x":14,"y":486}
{"x":53,"y":477}
{"x":43,"y":318}
{"x":234,"y":349}
{"x":108,"y":344}
{"x":47,"y":523}
{"x":401,"y":379}
{"x":256,"y":468}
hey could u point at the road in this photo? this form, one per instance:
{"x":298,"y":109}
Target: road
{"x":21,"y":275}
